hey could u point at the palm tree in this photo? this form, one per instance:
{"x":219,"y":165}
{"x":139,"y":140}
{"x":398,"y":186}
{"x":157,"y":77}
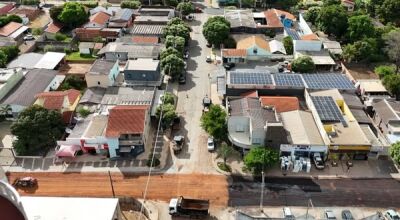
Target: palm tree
{"x":225,"y":151}
{"x":5,"y":110}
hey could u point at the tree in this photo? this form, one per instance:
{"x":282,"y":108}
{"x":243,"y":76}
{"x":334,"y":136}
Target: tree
{"x":225,"y":151}
{"x":392,"y":40}
{"x":175,"y":20}
{"x":30,"y":2}
{"x":332,"y":20}
{"x":168,"y":114}
{"x":185,"y":8}
{"x":175,"y":42}
{"x":214,"y":122}
{"x":303,"y":64}
{"x":385,"y":70}
{"x":172,"y":65}
{"x":37,"y":130}
{"x":360,"y":27}
{"x":172,"y":3}
{"x":73,"y":82}
{"x":360,"y":50}
{"x":168,"y":98}
{"x":394,"y":152}
{"x":168,"y":51}
{"x":131,"y":4}
{"x":3,"y":59}
{"x":312,"y":14}
{"x":330,"y":2}
{"x":216,"y":30}
{"x":11,"y":52}
{"x":392,"y":84}
{"x":388,"y":11}
{"x":260,"y":158}
{"x":73,"y":14}
{"x":55,"y":11}
{"x":60,"y":37}
{"x":14,"y":18}
{"x":177,"y":30}
{"x":288,"y":44}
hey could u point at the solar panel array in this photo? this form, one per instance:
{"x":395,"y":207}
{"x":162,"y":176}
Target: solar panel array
{"x":292,"y":33}
{"x":254,"y":78}
{"x":327,"y":109}
{"x":293,"y":80}
{"x":327,"y":81}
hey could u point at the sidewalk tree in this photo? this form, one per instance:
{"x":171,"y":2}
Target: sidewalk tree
{"x":303,"y":64}
{"x":288,"y":44}
{"x":177,"y":30}
{"x":260,"y":158}
{"x":385,"y":70}
{"x":176,"y":42}
{"x":394,"y":152}
{"x":185,"y":8}
{"x":332,"y":20}
{"x":392,"y":84}
{"x":168,"y":98}
{"x":168,"y":51}
{"x":37,"y":130}
{"x":214,"y":122}
{"x":216,"y":30}
{"x":172,"y":65}
{"x":73,"y":14}
{"x":169,"y":114}
{"x":225,"y":151}
{"x":392,"y":40}
{"x":360,"y":27}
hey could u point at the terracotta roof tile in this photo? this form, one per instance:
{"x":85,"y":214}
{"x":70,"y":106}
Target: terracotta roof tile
{"x":54,"y":100}
{"x":250,"y":41}
{"x":287,"y":14}
{"x":310,"y":37}
{"x":9,"y":28}
{"x":281,"y":103}
{"x":272,"y":19}
{"x":53,"y":28}
{"x":126,"y":120}
{"x":234,"y":52}
{"x":100,"y":18}
{"x":145,"y":39}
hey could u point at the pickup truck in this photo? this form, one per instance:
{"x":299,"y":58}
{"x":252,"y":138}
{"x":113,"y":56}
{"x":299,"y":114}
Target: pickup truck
{"x":192,"y":208}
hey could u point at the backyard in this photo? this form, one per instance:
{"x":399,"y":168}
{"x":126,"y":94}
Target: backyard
{"x":76,"y":56}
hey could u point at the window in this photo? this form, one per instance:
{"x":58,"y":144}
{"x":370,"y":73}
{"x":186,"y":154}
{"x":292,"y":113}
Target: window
{"x":239,"y":128}
{"x":98,"y":82}
{"x":118,"y":55}
{"x":255,"y":50}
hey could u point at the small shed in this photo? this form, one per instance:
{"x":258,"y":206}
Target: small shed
{"x":86,"y":47}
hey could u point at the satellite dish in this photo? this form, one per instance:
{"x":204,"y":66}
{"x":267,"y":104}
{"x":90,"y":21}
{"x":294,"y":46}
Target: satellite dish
{"x":68,"y":130}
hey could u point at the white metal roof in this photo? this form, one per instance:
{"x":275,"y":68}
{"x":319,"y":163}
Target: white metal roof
{"x":371,"y":85}
{"x":18,"y":32}
{"x":277,"y":46}
{"x":67,"y":208}
{"x":50,"y":60}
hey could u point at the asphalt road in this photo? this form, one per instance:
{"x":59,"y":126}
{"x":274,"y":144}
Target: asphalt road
{"x":296,"y":192}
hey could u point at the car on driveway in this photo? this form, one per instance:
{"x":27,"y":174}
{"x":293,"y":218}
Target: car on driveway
{"x":391,"y":214}
{"x":319,"y":163}
{"x":346,"y":215}
{"x":328,"y":214}
{"x":229,"y":66}
{"x":29,"y":37}
{"x":210,"y":144}
{"x":208,"y":59}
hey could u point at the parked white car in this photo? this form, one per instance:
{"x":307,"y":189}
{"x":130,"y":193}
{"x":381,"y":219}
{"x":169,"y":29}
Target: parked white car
{"x":319,"y":163}
{"x":210,"y":144}
{"x":29,"y":37}
{"x":391,"y":214}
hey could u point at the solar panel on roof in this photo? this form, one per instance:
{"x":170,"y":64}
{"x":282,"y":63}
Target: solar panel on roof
{"x":327,"y":81}
{"x":327,"y":109}
{"x":292,"y":33}
{"x":293,"y":80}
{"x":255,"y":78}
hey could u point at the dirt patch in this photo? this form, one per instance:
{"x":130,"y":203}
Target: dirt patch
{"x":161,"y":187}
{"x":75,"y":69}
{"x":361,"y":71}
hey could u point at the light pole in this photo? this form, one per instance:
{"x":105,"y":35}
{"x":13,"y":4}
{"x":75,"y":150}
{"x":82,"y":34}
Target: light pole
{"x":308,"y":206}
{"x":262,"y":192}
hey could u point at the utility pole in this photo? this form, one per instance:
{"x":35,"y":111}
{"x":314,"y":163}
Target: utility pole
{"x":262,"y":192}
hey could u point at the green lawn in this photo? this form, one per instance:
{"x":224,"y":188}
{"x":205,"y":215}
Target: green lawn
{"x":77,"y":56}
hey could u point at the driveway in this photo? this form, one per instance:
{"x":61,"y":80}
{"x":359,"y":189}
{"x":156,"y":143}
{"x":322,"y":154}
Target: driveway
{"x":194,"y":158}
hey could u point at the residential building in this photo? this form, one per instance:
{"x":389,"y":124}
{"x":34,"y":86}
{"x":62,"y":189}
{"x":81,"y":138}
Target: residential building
{"x":386,"y":117}
{"x":63,"y":101}
{"x":14,"y":31}
{"x":127,"y":51}
{"x":103,"y":73}
{"x":118,"y":95}
{"x":333,"y":47}
{"x":49,"y":60}
{"x":6,"y":7}
{"x":144,"y":40}
{"x":280,"y":103}
{"x":86,"y":48}
{"x":122,"y":18}
{"x":257,"y":48}
{"x":251,"y":124}
{"x":98,"y":20}
{"x":371,"y":89}
{"x":108,"y":10}
{"x":303,"y":135}
{"x":34,"y":81}
{"x":155,"y":30}
{"x":9,"y":78}
{"x":89,"y":34}
{"x":92,"y":97}
{"x":337,"y":125}
{"x":30,"y":12}
{"x":52,"y":29}
{"x":127,"y":130}
{"x":241,"y":21}
{"x":143,"y":72}
{"x":159,"y":15}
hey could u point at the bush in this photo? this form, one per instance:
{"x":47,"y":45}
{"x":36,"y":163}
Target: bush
{"x":11,"y":52}
{"x":90,"y":4}
{"x":131,"y":4}
{"x":60,"y":37}
{"x":83,"y":112}
{"x":67,"y":50}
{"x":156,"y":161}
{"x":385,"y":70}
{"x":37,"y":31}
{"x":49,"y":48}
{"x":30,"y":2}
{"x":224,"y":167}
{"x":73,"y":82}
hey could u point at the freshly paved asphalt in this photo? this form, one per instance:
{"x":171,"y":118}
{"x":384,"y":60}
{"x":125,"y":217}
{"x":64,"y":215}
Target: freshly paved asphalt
{"x":296,"y":192}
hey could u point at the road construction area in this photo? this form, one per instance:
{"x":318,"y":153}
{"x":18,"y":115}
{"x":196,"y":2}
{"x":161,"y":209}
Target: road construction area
{"x":160,"y":187}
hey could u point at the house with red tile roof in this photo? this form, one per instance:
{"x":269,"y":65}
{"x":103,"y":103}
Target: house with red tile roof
{"x":98,"y":20}
{"x":63,"y":101}
{"x":52,"y":29}
{"x":13,"y":30}
{"x":127,"y":129}
{"x":281,"y":103}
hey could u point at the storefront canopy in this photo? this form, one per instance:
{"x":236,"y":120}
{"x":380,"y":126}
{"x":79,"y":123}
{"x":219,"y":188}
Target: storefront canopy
{"x":67,"y":150}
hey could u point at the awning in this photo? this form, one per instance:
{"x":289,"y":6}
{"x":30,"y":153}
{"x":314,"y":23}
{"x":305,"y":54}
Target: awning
{"x":67,"y":150}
